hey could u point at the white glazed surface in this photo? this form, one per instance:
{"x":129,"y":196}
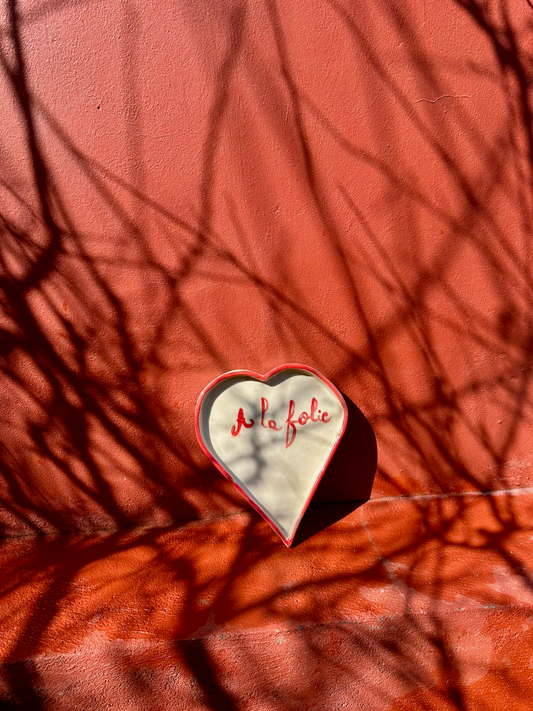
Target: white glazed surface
{"x":276,"y":469}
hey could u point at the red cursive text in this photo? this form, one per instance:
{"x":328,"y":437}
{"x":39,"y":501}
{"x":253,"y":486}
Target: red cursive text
{"x":292,"y":422}
{"x":241,"y":420}
{"x":271,"y":423}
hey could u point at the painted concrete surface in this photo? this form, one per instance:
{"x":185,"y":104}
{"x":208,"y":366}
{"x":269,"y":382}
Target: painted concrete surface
{"x":403,"y":604}
{"x":192,"y":188}
{"x":188,"y":188}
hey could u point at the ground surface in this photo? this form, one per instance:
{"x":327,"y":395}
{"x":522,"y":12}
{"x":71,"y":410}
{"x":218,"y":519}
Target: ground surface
{"x":405,"y":603}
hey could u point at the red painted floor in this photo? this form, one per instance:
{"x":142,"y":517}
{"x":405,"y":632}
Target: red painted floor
{"x":414,"y":603}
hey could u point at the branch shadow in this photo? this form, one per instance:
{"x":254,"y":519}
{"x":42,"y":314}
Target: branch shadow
{"x":432,"y":337}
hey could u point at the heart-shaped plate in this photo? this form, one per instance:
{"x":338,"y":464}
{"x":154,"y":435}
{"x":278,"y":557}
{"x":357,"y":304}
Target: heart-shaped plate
{"x":273,"y":437}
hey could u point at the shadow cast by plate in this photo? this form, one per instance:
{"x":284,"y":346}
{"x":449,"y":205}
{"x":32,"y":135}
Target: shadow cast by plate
{"x":347,"y":482}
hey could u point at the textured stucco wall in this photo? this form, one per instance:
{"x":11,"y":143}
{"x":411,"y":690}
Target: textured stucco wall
{"x":191,"y":188}
{"x":188,"y":188}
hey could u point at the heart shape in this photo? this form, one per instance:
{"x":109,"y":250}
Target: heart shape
{"x":273,"y":437}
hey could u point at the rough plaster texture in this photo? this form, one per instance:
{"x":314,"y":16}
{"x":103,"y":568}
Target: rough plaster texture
{"x":188,"y":188}
{"x":406,"y":603}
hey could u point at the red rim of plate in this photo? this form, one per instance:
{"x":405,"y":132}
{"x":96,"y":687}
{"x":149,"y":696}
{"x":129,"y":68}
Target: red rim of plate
{"x":264,"y":378}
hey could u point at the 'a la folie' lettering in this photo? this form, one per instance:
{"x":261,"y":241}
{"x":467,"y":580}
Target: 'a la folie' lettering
{"x":291,"y":422}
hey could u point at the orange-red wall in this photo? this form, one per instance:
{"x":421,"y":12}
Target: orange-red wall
{"x":189,"y":188}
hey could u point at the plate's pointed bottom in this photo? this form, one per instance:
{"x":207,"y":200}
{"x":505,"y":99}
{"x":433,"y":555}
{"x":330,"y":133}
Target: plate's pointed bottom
{"x":287,"y":538}
{"x":284,"y":519}
{"x":272,"y":436}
